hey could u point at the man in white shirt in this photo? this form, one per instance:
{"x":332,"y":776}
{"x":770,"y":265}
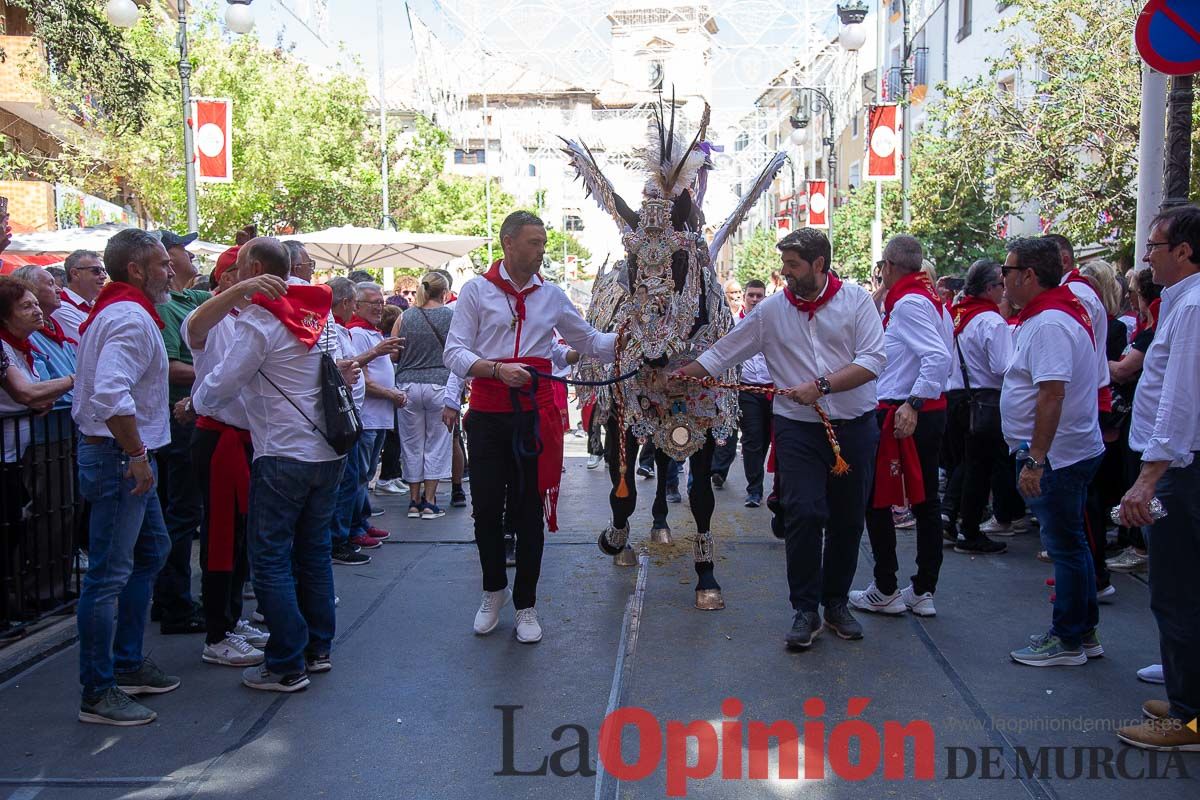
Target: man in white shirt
{"x":755,"y":407}
{"x":120,"y":408}
{"x":276,"y":370}
{"x":504,"y":322}
{"x":918,"y":339}
{"x":822,"y":341}
{"x":1048,"y":409}
{"x":85,"y":278}
{"x":378,"y":408}
{"x":302,"y":263}
{"x":1166,"y":429}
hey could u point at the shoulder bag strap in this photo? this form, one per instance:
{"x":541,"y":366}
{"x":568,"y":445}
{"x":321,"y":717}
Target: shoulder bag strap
{"x":962,"y":362}
{"x":429,"y":322}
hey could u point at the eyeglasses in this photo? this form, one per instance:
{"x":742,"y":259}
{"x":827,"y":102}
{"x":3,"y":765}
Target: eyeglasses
{"x":1151,"y":245}
{"x":1006,"y":270}
{"x":370,"y":303}
{"x":310,"y":264}
{"x":93,"y":270}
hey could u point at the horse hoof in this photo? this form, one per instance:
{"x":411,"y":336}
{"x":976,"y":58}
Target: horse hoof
{"x":661,"y":535}
{"x":709,"y":599}
{"x":625,"y":557}
{"x":606,"y":547}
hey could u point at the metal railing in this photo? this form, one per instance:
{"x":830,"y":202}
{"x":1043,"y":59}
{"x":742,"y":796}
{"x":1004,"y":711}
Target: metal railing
{"x":42,"y":519}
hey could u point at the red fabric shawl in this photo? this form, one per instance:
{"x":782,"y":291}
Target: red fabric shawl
{"x":303,"y":311}
{"x":969,"y":309}
{"x":898,"y":479}
{"x":811,"y":307}
{"x":228,"y":490}
{"x":1060,"y":298}
{"x":117,"y":292}
{"x":912,"y":283}
{"x":23,"y":346}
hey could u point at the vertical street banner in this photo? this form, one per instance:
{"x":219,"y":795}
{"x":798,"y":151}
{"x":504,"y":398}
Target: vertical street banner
{"x":818,"y":204}
{"x":883,"y":141}
{"x":213,"y":121}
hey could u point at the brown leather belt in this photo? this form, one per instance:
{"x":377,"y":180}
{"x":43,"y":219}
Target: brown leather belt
{"x":97,"y":439}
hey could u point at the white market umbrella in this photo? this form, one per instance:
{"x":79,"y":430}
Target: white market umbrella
{"x":349,"y":247}
{"x":66,"y":241}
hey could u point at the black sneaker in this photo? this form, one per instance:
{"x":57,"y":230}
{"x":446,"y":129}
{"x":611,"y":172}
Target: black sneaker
{"x":718,"y":481}
{"x":510,"y":550}
{"x":753,"y":501}
{"x":148,"y":679}
{"x":344,"y":553}
{"x":645,"y":472}
{"x":260,"y":677}
{"x":983,"y":546}
{"x":316,"y":663}
{"x":114,"y":707}
{"x":839,"y":620}
{"x":673,"y":495}
{"x":458,"y":498}
{"x":805,"y":627}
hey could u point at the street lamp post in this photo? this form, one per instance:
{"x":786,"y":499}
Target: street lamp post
{"x":906,"y":80}
{"x":239,"y":19}
{"x":799,"y":122}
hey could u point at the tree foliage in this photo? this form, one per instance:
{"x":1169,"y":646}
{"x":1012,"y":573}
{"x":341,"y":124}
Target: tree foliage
{"x":756,"y":257}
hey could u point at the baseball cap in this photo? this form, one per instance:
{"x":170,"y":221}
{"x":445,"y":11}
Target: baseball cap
{"x":224,"y":262}
{"x":171,"y":239}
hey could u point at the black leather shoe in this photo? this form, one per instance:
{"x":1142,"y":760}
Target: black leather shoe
{"x":839,"y":620}
{"x":805,"y":627}
{"x":193,"y":624}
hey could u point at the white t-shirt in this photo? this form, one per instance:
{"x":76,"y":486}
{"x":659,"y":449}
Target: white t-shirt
{"x":378,"y":413}
{"x":1052,"y":346}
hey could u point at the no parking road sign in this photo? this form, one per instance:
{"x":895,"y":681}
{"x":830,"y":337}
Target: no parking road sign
{"x":1168,"y":36}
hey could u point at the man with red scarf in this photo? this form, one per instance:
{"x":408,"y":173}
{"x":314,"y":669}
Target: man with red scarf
{"x":1048,"y":409}
{"x":276,"y":370}
{"x":504,"y":323}
{"x":85,"y":278}
{"x":918,"y":339}
{"x":823,"y":344}
{"x":120,"y":408}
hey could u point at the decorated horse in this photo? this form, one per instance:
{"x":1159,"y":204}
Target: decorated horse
{"x":665,"y":296}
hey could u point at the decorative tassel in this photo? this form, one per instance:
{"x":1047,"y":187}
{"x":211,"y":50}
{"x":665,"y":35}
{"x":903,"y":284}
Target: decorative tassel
{"x":840,"y":467}
{"x":622,"y":487}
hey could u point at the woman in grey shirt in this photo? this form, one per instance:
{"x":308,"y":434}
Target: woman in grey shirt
{"x":421,"y":374}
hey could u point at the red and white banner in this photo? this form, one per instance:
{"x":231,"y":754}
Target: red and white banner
{"x":883,"y":143}
{"x":818,"y":204}
{"x":212,"y":120}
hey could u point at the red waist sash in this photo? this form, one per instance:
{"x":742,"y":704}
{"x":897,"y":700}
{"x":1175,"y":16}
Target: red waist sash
{"x":898,"y":480}
{"x":228,"y":490}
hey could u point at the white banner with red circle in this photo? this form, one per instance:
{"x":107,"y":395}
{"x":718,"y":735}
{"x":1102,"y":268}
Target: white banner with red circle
{"x":212,"y":120}
{"x":883,"y":143}
{"x":818,"y":204}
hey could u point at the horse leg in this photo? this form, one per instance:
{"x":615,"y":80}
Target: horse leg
{"x":700,"y":495}
{"x":660,"y":531}
{"x":614,"y":540}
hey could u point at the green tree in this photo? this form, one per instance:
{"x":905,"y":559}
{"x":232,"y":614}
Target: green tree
{"x":756,"y":256}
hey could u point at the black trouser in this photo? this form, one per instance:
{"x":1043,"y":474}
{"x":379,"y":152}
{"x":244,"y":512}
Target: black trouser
{"x":1007,"y":503}
{"x":882,"y":530}
{"x":181,"y":503}
{"x":954,"y":442}
{"x":496,"y":468}
{"x":700,"y":493}
{"x":222,"y":590}
{"x":1104,"y":492}
{"x":986,"y":454}
{"x":1174,"y":564}
{"x":756,"y":438}
{"x":724,"y":455}
{"x":823,"y":511}
{"x":390,"y":462}
{"x":595,"y":442}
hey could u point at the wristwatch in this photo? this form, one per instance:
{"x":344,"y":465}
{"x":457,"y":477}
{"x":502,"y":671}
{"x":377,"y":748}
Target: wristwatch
{"x":1033,"y":463}
{"x":915,"y":402}
{"x":824,"y":385}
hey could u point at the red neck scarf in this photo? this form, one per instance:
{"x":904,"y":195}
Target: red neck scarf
{"x":810,"y":307}
{"x":85,"y":306}
{"x":55,"y":333}
{"x":1152,"y":318}
{"x":1075,"y":276}
{"x":969,"y":309}
{"x":22,"y":346}
{"x":358,"y":322}
{"x":493,"y":276}
{"x":118,"y":292}
{"x":1059,"y":298}
{"x":303,"y":311}
{"x":913,"y":283}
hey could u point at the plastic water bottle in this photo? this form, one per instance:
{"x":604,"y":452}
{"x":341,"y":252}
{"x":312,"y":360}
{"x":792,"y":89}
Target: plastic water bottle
{"x":1156,"y":511}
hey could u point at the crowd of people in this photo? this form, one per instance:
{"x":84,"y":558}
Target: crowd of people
{"x":1045,"y":391}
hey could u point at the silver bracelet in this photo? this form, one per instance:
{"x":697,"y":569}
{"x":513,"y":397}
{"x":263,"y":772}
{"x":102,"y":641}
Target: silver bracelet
{"x":143,"y":458}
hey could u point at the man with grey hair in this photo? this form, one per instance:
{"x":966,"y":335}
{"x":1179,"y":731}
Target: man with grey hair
{"x":379,"y":406}
{"x":302,"y":263}
{"x":918,"y":338}
{"x":85,"y":278}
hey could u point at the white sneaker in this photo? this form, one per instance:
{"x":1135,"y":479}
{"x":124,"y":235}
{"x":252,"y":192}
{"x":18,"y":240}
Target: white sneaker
{"x":1106,"y":594}
{"x":232,"y":651}
{"x":488,"y":616}
{"x":994,"y":528}
{"x":528,"y":629}
{"x":594,"y":461}
{"x":919,"y":604}
{"x":1151,"y":674}
{"x":390,"y":487}
{"x":258,"y":617}
{"x":873,"y":600}
{"x":255,"y":636}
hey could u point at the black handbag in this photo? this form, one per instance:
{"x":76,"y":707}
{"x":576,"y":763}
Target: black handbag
{"x":984,"y":403}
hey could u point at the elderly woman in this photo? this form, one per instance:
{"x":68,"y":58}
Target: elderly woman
{"x":422,"y":375}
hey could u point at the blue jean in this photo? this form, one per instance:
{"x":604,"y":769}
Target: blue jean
{"x":1060,"y":509}
{"x":347,"y":509}
{"x":367,"y":452}
{"x":291,"y":504}
{"x":127,"y":545}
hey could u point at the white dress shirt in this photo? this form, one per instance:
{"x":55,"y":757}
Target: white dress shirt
{"x":378,"y":413}
{"x":485,"y":326}
{"x":918,"y":341}
{"x":1091,"y":301}
{"x":987,"y":347}
{"x":1166,"y":417}
{"x":844,"y":331}
{"x":221,"y":341}
{"x":69,"y":316}
{"x":121,"y":371}
{"x":349,"y":350}
{"x":1131,"y":322}
{"x":265,"y":349}
{"x":1052,"y":346}
{"x":754,"y":368}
